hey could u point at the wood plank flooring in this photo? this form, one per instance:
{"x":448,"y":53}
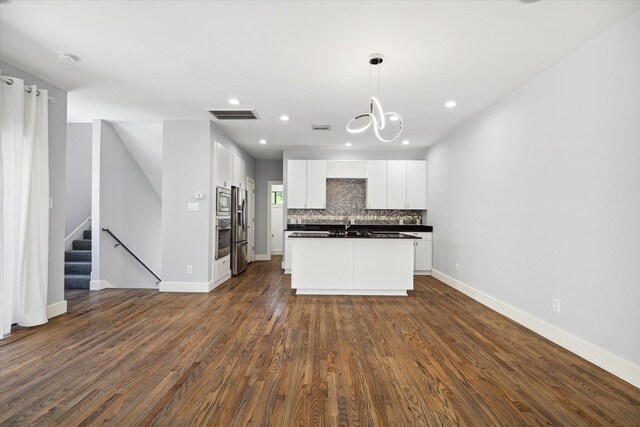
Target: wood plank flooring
{"x":253,"y":353}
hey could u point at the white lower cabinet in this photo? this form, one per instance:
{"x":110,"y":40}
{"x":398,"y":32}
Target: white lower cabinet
{"x":339,"y":266}
{"x":287,"y":252}
{"x":422,"y":256}
{"x":382,"y":264}
{"x":222,"y":269}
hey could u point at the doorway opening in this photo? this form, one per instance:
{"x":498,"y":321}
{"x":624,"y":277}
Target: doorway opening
{"x":275,"y":218}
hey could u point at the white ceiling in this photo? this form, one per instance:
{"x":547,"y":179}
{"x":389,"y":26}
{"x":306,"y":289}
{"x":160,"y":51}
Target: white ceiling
{"x":147,"y":61}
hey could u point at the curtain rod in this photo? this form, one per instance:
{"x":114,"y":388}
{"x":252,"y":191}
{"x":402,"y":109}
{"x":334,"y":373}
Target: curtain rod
{"x":9,"y":81}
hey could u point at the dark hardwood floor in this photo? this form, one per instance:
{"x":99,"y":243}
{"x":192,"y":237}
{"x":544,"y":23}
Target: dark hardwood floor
{"x":251,"y":352}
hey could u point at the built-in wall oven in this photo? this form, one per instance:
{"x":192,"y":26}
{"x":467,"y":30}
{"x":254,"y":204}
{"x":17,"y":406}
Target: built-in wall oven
{"x":223,"y":237}
{"x":223,"y":202}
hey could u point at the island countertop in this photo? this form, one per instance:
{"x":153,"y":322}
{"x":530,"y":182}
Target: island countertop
{"x":355,"y":234}
{"x":404,"y":228}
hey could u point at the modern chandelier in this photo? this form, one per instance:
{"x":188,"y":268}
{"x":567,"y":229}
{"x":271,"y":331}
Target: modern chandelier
{"x":386,"y":126}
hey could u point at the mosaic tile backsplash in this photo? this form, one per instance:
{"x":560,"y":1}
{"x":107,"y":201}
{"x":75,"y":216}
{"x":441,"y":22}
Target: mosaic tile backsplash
{"x":346,"y":200}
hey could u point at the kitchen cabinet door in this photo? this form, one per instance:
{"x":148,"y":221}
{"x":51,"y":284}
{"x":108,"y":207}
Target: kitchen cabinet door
{"x":416,"y":184}
{"x":423,"y":252}
{"x":296,"y":195}
{"x":287,"y":250}
{"x":239,"y":172}
{"x":224,"y":166}
{"x":377,"y":184}
{"x":397,"y":184}
{"x":316,"y":184}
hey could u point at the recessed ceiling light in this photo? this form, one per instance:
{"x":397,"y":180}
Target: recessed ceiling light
{"x":234,"y":101}
{"x":284,"y":118}
{"x":450,"y":104}
{"x":263,"y":141}
{"x":405,"y":142}
{"x":67,"y":58}
{"x":348,"y":144}
{"x":393,"y":118}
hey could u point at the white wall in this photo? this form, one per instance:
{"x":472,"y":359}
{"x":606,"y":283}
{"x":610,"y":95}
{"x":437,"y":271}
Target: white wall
{"x":57,"y":159}
{"x":188,"y":168}
{"x":125,"y":202}
{"x":266,"y":170}
{"x":78,"y":176}
{"x":538,"y":197}
{"x":186,"y":235}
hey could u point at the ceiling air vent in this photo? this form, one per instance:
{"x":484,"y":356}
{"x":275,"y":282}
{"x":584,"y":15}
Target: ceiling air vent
{"x":320,"y":127}
{"x":234,"y":114}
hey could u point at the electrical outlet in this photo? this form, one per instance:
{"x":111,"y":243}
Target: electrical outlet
{"x":199,"y":196}
{"x":555,"y":305}
{"x":457,"y":266}
{"x":189,"y":269}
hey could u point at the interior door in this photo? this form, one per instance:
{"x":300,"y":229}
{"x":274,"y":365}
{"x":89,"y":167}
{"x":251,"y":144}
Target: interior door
{"x":276,"y":230}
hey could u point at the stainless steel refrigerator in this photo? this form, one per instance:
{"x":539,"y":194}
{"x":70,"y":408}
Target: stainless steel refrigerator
{"x":238,"y":230}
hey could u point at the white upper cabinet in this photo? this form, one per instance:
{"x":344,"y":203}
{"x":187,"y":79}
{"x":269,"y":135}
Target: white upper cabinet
{"x":224,"y":165}
{"x":296,"y":184}
{"x":239,"y":172}
{"x":406,"y":184}
{"x":397,"y":184}
{"x":377,"y":184}
{"x":316,"y":184}
{"x":416,"y":184}
{"x":306,"y":184}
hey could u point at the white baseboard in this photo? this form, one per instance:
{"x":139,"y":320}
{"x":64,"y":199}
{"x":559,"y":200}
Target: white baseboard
{"x":375,"y":292}
{"x":96,"y":285}
{"x":616,"y":365}
{"x":422,"y":273}
{"x":76,"y":234}
{"x":56,"y":309}
{"x":276,"y":251}
{"x":262,"y":257}
{"x":221,"y":281}
{"x":193,"y":287}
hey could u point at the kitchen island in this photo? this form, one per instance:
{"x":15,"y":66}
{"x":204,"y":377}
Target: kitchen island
{"x":352,"y":263}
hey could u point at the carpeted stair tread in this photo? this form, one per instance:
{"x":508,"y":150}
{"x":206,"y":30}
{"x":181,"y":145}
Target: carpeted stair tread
{"x":77,"y":281}
{"x":82,"y":244}
{"x":77,"y":267}
{"x":77,"y":255}
{"x":86,"y":234}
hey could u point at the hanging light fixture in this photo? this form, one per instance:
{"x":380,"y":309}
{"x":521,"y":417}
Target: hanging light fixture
{"x":376,"y":117}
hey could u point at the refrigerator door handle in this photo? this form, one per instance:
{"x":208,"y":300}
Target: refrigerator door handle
{"x":243,"y":212}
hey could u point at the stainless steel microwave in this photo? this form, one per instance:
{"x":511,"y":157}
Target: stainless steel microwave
{"x":223,"y":202}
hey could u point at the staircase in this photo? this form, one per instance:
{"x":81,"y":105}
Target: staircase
{"x":77,"y":263}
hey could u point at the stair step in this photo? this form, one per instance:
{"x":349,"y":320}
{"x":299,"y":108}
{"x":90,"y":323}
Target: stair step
{"x":86,"y":234}
{"x":82,"y":244}
{"x":77,"y":255}
{"x":76,"y":281}
{"x":77,"y":267}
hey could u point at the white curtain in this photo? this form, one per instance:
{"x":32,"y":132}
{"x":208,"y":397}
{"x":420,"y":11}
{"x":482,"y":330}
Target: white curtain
{"x":24,"y":191}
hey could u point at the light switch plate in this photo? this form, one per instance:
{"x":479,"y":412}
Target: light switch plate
{"x":193,"y":206}
{"x":50,"y":202}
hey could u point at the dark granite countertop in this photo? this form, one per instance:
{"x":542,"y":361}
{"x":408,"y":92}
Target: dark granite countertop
{"x":353,"y":234}
{"x":406,"y":228}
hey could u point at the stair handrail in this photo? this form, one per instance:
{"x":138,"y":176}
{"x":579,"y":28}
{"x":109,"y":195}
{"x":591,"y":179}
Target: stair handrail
{"x":132,"y":254}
